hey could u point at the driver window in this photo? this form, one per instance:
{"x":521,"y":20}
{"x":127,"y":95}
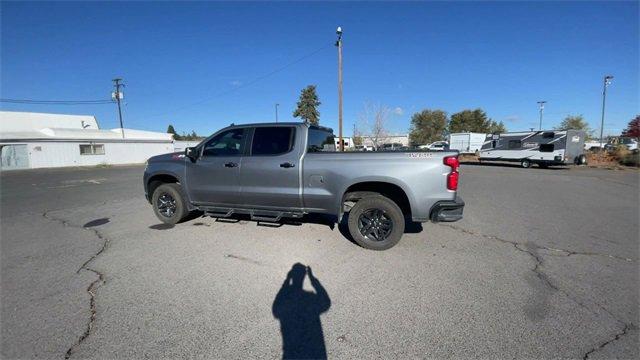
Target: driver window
{"x":228,"y":143}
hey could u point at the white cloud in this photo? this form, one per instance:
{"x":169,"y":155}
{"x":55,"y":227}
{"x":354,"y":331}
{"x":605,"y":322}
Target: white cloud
{"x":512,"y":118}
{"x":235,"y":83}
{"x":398,"y":111}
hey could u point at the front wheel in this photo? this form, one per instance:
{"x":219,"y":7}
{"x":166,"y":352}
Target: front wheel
{"x":168,"y":203}
{"x":525,"y":163}
{"x":376,"y":223}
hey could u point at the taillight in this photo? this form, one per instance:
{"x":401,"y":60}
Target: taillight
{"x":452,"y":181}
{"x":452,"y":177}
{"x":452,"y":162}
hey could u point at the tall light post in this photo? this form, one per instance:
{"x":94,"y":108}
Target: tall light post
{"x":339,"y":45}
{"x":607,"y":82}
{"x":541,"y":105}
{"x":117,"y":95}
{"x":277,"y":112}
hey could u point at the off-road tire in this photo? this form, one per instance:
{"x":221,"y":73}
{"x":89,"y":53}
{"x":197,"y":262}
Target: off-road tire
{"x":581,"y":160}
{"x":173,"y":191}
{"x":390,"y":212}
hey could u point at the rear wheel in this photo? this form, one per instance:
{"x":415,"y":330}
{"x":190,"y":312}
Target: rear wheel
{"x":168,"y":203}
{"x":376,"y":223}
{"x":581,"y":160}
{"x":525,"y":163}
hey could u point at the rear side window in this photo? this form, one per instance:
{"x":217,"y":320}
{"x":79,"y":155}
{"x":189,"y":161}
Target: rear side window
{"x":320,"y":141}
{"x":546,"y":147}
{"x":272,"y":140}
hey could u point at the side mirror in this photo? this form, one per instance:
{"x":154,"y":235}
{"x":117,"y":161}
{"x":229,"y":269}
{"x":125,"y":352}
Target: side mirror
{"x":191,"y":153}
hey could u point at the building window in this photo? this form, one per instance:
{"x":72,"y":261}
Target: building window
{"x":92,"y":149}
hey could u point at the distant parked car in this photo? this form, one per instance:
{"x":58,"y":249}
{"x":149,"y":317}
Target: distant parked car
{"x":630,"y":143}
{"x":388,"y":147}
{"x":438,"y":146}
{"x":593,"y":145}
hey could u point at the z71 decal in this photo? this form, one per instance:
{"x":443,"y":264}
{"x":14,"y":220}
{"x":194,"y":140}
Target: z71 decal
{"x":420,"y":155}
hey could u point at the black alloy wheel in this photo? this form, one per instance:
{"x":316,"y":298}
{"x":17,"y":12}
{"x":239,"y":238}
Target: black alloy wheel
{"x":375,"y":224}
{"x":166,"y":205}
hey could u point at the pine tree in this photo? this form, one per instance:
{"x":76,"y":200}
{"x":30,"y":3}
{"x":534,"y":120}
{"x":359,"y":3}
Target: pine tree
{"x":171,"y":130}
{"x":308,"y":106}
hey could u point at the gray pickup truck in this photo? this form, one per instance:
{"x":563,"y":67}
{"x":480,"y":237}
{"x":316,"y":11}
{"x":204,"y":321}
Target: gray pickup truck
{"x":273,"y":171}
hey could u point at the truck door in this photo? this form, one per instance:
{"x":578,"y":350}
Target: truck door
{"x":213,"y":179}
{"x":270,"y":174}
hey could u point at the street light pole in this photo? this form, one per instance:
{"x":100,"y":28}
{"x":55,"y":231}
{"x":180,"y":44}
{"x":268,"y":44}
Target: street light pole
{"x":607,"y":82}
{"x":339,"y":45}
{"x":541,"y":104}
{"x":117,"y":96}
{"x":277,"y":112}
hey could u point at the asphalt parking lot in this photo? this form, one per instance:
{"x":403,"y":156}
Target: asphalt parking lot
{"x":544,"y":265}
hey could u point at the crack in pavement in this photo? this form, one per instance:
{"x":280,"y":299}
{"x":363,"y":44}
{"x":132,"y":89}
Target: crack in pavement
{"x":564,"y":252}
{"x":617,"y":336}
{"x":92,"y":288}
{"x":530,"y":249}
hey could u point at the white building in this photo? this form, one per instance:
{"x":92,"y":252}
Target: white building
{"x":348,"y":142}
{"x":36,"y":140}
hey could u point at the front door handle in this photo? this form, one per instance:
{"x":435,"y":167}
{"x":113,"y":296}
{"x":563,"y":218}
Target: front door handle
{"x":230,"y":165}
{"x":287,"y":165}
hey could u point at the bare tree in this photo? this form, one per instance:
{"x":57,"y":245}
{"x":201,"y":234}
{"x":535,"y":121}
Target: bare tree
{"x":373,"y":119}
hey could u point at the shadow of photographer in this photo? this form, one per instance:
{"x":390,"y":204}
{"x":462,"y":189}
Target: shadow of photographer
{"x":299,"y":312}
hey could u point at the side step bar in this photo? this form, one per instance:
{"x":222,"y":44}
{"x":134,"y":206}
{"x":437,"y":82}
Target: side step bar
{"x":256,"y":215}
{"x":219,"y":213}
{"x":266,"y":218}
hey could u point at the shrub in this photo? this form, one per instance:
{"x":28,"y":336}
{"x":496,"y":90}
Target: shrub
{"x":632,"y":158}
{"x":619,"y":152}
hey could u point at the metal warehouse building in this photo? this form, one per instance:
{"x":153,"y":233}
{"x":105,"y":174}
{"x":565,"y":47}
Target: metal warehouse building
{"x":36,"y":140}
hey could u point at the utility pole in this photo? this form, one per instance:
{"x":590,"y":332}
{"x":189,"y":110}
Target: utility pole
{"x":117,"y":95}
{"x":339,"y":45}
{"x":277,"y":112}
{"x":607,"y":82}
{"x":541,"y":104}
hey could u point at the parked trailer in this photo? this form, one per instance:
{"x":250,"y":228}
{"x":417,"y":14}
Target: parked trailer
{"x":467,"y":143}
{"x":544,"y":148}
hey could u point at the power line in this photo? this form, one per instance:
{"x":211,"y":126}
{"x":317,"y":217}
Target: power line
{"x":56,"y":102}
{"x":257,"y":79}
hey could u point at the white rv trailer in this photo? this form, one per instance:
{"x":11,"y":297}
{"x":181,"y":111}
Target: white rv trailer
{"x":467,"y":143}
{"x":545,"y":147}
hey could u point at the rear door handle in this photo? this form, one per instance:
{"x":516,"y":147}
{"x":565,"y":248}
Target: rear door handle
{"x":287,"y":165}
{"x":230,"y":165}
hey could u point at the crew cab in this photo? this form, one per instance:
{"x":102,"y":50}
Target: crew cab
{"x":273,"y":171}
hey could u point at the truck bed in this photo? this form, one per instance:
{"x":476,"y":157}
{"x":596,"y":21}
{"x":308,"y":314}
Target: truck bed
{"x":422,"y":175}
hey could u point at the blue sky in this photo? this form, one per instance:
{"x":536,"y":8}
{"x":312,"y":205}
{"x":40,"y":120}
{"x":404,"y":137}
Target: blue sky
{"x":201,"y":66}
